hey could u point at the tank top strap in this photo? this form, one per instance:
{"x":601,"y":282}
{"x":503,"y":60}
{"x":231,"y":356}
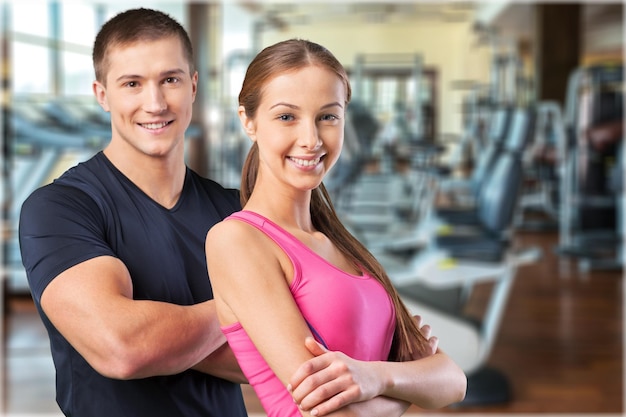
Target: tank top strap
{"x":286,"y":241}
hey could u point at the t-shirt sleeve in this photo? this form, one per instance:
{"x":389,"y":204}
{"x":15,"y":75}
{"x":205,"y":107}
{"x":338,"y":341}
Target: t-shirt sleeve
{"x":231,"y":201}
{"x":59,"y":227}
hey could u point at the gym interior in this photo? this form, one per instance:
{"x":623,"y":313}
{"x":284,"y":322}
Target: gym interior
{"x":483,"y":165}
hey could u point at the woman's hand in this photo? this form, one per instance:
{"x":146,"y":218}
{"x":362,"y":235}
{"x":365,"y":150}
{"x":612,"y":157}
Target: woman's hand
{"x":333,"y":380}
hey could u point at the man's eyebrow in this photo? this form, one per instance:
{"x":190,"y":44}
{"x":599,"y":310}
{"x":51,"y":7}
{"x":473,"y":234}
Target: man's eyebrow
{"x":168,"y":73}
{"x":177,"y":71}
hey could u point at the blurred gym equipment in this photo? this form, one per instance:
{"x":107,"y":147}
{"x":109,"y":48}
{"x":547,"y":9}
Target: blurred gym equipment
{"x":591,"y":219}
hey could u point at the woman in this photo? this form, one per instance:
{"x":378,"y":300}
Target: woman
{"x":285,"y":268}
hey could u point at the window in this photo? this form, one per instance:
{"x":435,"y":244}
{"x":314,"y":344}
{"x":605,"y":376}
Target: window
{"x":33,"y":50}
{"x":78,"y":74}
{"x":78,"y":23}
{"x":30,"y":69}
{"x":30,"y":17}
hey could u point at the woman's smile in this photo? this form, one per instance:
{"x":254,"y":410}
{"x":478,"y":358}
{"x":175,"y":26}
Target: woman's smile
{"x":306,"y":163}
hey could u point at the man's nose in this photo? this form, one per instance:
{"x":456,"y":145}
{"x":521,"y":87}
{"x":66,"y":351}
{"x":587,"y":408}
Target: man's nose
{"x":155,"y":100}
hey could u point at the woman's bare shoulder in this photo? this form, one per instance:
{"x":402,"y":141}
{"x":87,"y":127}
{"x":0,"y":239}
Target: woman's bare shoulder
{"x":229,"y":234}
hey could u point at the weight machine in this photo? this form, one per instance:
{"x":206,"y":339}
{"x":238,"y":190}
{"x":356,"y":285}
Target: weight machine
{"x":591,"y":190}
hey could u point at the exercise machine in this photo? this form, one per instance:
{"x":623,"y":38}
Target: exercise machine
{"x":590,"y":220}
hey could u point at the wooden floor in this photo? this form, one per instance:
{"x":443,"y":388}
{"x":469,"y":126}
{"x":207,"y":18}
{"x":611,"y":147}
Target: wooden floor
{"x":560,"y":344}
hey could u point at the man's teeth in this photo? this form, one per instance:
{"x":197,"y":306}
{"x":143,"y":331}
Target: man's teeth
{"x":306,"y":162}
{"x":154,"y":125}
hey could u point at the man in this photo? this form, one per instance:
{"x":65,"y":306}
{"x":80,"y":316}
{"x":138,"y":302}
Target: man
{"x":114,"y":248}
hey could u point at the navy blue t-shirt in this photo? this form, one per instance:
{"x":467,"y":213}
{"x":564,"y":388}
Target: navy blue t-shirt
{"x":94,"y":210}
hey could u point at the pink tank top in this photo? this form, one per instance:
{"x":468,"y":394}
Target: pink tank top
{"x":356,"y":317}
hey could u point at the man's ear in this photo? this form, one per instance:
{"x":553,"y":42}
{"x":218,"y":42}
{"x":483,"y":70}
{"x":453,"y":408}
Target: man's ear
{"x":100,"y":92}
{"x":194,"y":85}
{"x":247,"y":123}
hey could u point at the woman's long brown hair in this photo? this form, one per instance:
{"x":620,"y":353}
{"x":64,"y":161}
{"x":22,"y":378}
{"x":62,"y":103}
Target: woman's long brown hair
{"x":408,"y":342}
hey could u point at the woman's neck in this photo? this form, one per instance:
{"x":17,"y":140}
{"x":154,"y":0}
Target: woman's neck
{"x":289,"y":210}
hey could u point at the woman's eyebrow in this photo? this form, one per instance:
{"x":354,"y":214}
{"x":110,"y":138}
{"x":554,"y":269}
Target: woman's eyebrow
{"x":293,"y":106}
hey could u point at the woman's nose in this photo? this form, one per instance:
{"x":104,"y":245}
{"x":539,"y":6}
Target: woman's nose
{"x":309,"y":136}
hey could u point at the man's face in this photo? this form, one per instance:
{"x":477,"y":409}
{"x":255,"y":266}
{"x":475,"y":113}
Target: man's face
{"x":149,"y":93}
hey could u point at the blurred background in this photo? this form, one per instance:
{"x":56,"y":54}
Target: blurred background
{"x":482,"y":164}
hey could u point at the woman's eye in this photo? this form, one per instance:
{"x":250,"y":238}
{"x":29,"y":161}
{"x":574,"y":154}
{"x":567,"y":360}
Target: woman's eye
{"x":329,"y":117}
{"x":285,"y":117}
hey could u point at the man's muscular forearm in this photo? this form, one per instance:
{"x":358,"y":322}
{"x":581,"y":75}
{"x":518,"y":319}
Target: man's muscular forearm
{"x":223,"y":364}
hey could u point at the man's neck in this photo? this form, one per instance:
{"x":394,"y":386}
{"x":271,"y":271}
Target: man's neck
{"x":160,"y":178}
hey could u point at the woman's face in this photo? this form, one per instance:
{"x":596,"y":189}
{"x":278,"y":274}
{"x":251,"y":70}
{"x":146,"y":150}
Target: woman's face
{"x":299,"y":126}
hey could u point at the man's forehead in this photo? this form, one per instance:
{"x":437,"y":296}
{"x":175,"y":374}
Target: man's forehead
{"x":172,"y":40}
{"x":125,"y":54}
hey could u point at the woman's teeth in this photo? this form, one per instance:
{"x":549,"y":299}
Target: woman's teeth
{"x":306,"y":162}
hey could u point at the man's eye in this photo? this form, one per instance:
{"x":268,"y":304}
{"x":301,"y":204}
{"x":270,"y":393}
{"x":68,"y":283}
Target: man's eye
{"x":171,"y":80}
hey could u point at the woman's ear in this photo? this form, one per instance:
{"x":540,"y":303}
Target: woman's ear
{"x":247,"y":123}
